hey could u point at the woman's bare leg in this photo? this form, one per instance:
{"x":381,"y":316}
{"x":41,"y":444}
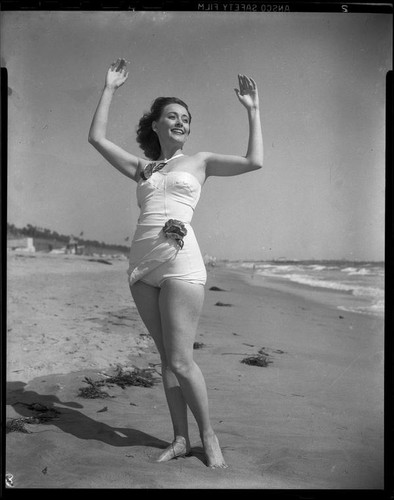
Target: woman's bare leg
{"x":180,"y":305}
{"x":146,"y":299}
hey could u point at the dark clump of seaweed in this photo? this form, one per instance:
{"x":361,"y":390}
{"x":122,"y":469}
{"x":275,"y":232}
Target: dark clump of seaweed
{"x":18,"y":424}
{"x":223,"y":304}
{"x":138,"y":377}
{"x":93,"y":390}
{"x":260,"y":359}
{"x":256,"y":361}
{"x":141,"y":377}
{"x":42,"y":415}
{"x":198,"y":345}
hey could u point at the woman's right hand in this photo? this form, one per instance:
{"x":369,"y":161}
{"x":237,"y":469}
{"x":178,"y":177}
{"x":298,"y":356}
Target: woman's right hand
{"x":116,"y":77}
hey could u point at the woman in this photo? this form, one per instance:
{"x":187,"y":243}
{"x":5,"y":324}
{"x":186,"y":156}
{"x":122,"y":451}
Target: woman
{"x":166,"y":272}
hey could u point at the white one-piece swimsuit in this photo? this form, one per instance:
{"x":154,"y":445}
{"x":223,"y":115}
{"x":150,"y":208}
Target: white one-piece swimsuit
{"x":155,"y":258}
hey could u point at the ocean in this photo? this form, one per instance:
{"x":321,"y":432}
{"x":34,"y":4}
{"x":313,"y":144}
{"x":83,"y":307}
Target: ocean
{"x":356,"y":286}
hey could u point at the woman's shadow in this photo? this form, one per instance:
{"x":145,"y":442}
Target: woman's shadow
{"x":72,"y":421}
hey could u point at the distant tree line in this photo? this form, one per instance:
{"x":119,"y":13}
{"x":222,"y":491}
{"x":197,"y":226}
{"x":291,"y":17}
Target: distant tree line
{"x":40,"y":232}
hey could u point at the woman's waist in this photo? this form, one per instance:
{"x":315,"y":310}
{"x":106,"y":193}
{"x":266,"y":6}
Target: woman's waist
{"x":154,"y":219}
{"x":148,"y":226}
{"x":149,"y":230}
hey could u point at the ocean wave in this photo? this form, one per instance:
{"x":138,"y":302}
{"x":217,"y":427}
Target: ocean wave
{"x":358,"y":272}
{"x":360,"y":281}
{"x":364,"y":282}
{"x":376,"y":308}
{"x":317,"y":267}
{"x":356,"y":290}
{"x":348,"y":269}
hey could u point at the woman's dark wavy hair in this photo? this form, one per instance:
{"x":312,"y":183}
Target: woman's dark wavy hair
{"x":146,"y":137}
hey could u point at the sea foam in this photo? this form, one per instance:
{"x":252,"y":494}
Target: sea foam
{"x":363,"y":281}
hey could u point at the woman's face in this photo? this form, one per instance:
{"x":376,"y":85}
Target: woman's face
{"x":173,"y":124}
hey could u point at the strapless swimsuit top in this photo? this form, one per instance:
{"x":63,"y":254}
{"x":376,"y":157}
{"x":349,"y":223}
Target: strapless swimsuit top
{"x":168,"y":195}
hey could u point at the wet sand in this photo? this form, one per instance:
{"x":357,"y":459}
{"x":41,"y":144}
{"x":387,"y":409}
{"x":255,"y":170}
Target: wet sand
{"x":311,"y":419}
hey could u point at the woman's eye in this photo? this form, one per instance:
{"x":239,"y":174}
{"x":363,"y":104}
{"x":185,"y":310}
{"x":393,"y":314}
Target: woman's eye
{"x":174,"y":117}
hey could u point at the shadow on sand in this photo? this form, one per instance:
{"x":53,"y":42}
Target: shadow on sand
{"x":72,"y":421}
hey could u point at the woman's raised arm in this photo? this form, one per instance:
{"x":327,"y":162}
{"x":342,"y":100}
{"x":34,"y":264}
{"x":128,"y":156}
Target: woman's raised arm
{"x":224,"y":165}
{"x":123,"y":161}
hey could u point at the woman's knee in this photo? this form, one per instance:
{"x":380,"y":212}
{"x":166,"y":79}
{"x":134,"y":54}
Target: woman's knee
{"x":180,"y":365}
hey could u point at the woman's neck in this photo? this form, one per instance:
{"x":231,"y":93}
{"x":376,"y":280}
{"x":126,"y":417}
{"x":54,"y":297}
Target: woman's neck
{"x":167,"y":154}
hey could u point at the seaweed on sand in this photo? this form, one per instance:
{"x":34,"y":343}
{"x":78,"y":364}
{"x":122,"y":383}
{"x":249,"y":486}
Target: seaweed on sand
{"x":93,"y":390}
{"x":18,"y":424}
{"x":256,"y":361}
{"x":260,"y":359}
{"x":198,"y":345}
{"x":45,"y":415}
{"x":138,"y":377}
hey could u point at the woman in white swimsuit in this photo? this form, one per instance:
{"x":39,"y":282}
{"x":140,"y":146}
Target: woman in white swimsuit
{"x":166,"y":271}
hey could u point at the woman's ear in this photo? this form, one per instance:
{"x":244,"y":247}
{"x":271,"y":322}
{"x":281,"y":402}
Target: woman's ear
{"x":154,"y":127}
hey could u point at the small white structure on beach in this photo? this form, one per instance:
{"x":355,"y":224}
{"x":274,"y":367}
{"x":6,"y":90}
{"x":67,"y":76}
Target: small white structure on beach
{"x":21,"y":244}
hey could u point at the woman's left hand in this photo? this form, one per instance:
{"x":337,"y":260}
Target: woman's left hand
{"x":247,"y":93}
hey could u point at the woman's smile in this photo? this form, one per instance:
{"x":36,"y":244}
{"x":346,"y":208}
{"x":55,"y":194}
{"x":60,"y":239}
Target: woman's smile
{"x":178,"y":131}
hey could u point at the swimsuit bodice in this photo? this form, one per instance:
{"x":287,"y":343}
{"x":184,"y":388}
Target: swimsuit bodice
{"x":168,"y":195}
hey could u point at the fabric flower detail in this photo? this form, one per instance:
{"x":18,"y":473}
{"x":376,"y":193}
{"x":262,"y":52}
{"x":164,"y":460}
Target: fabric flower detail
{"x":151,"y":168}
{"x":175,"y":230}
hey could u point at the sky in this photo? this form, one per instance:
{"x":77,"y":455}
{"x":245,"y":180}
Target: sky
{"x":321,"y":80}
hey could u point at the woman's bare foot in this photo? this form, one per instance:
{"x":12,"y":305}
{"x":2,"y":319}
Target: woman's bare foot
{"x":178,"y":448}
{"x":213,"y":452}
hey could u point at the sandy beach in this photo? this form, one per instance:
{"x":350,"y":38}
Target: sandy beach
{"x":311,"y":419}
